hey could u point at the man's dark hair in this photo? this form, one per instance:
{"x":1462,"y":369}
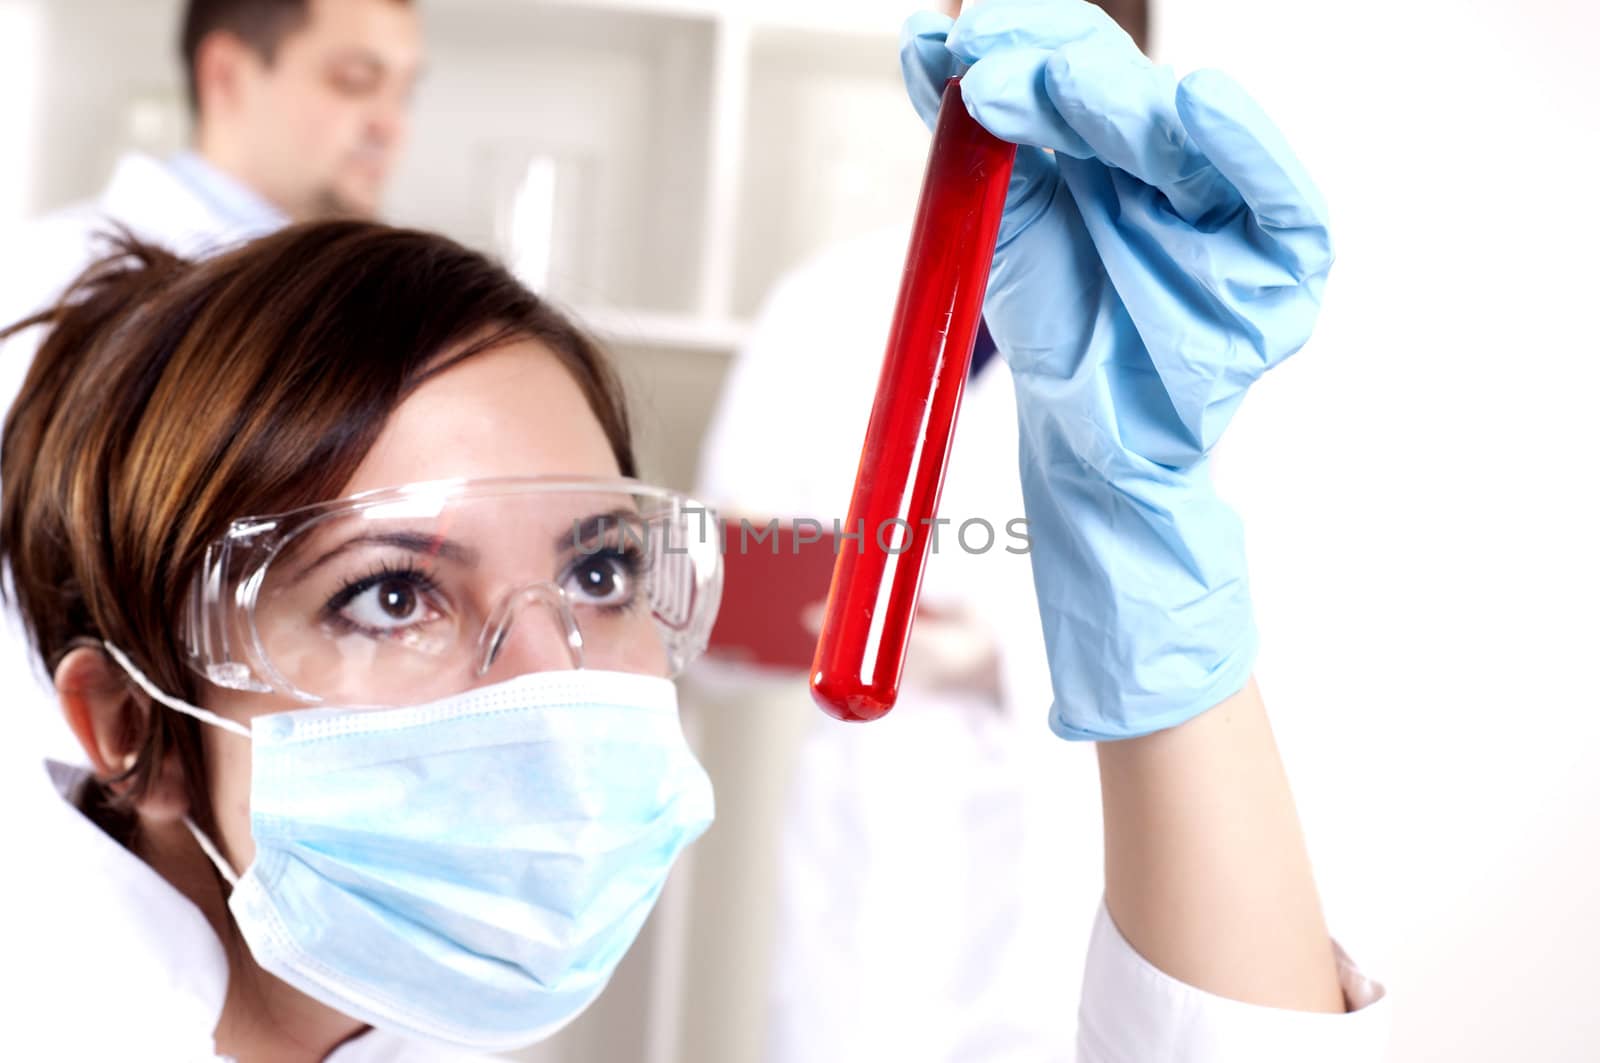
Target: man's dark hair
{"x":261,"y":24}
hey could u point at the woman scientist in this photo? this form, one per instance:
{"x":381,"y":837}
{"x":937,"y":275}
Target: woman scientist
{"x":332,"y":547}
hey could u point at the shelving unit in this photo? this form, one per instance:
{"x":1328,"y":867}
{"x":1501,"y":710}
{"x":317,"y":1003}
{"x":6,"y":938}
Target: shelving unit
{"x":701,"y":148}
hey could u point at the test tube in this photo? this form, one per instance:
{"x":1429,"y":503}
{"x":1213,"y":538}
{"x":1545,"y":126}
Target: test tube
{"x":872,"y":600}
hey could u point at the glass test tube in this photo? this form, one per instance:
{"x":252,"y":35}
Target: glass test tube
{"x":873,"y":597}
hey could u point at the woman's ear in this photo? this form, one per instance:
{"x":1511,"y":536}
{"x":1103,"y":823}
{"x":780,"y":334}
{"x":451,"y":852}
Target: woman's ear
{"x":110,"y":720}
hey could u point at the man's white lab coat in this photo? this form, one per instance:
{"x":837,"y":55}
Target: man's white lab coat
{"x":941,"y":868}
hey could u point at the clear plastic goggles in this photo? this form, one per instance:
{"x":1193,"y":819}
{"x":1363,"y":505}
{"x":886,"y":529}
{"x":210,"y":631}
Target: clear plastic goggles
{"x":409,"y":594}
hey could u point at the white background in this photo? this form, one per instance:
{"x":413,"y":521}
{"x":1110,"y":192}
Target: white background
{"x":1419,"y":491}
{"x":1418,"y":485}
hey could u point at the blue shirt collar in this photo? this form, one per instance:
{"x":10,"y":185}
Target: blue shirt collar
{"x":235,"y":203}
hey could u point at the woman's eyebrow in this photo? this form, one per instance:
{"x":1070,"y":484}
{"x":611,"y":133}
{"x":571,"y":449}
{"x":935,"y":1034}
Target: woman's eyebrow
{"x":593,"y":528}
{"x":409,"y":541}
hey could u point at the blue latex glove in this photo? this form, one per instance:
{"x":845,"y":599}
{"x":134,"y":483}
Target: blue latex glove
{"x":1168,"y":253}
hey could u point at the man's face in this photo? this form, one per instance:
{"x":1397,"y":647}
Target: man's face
{"x":323,"y":124}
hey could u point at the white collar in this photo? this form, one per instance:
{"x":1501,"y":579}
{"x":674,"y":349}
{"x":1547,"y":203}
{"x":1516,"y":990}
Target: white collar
{"x":153,"y":201}
{"x":245,"y":209}
{"x":106,"y":928}
{"x":118,"y":961}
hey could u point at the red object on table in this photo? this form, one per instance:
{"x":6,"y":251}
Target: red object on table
{"x":855,"y":674}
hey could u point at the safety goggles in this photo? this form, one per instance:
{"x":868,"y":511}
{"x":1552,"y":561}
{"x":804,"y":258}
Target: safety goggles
{"x":409,"y":594}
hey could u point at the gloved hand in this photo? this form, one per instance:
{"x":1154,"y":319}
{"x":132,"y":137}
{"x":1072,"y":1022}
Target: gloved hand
{"x":1168,"y":253}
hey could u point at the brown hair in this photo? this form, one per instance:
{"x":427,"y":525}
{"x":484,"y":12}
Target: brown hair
{"x":261,"y":24}
{"x":170,"y":398}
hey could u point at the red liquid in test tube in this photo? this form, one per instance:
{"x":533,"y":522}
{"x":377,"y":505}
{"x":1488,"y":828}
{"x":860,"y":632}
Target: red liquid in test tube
{"x":873,"y":598}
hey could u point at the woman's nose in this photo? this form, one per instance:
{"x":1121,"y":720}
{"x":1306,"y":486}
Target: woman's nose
{"x":532,"y":630}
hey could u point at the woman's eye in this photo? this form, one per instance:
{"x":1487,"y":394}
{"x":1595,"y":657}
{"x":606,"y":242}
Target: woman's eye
{"x":388,"y":605}
{"x":604,"y":579}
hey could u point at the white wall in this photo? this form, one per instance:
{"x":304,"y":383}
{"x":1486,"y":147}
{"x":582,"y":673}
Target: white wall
{"x":1418,"y":487}
{"x":21,"y":34}
{"x":100,"y":65}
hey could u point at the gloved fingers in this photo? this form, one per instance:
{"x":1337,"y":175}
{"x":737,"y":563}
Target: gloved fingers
{"x":1029,"y":196}
{"x":1047,"y":280}
{"x":1212,"y":311}
{"x":1247,"y":148}
{"x":1125,"y":109}
{"x":1060,"y":74}
{"x":925,"y":62}
{"x":1007,"y":42}
{"x":996,"y":26}
{"x":1005,"y":92}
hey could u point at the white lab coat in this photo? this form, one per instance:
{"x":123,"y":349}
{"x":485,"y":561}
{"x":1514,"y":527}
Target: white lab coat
{"x":38,"y":259}
{"x":940,"y":867}
{"x":111,"y":961}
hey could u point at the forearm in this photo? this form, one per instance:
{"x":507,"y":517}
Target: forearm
{"x":1207,"y":875}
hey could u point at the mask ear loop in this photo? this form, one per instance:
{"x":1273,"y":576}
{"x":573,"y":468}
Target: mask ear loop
{"x":206,"y":845}
{"x":170,"y":702}
{"x":212,"y":852}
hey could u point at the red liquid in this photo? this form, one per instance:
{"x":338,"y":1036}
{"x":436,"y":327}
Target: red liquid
{"x":861,"y":652}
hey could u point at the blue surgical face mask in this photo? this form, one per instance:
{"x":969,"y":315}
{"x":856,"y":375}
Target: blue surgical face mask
{"x":468,"y":871}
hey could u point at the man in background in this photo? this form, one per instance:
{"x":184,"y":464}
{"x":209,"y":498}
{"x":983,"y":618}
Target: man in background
{"x":300,"y":110}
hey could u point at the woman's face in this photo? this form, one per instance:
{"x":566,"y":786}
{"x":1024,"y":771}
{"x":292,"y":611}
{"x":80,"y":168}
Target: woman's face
{"x":512,"y":411}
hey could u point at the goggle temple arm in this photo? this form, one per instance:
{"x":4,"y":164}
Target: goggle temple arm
{"x":211,"y":647}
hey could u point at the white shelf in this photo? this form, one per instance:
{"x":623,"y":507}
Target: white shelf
{"x":853,"y":17}
{"x":703,"y":147}
{"x":691,"y":9}
{"x":656,"y":330}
